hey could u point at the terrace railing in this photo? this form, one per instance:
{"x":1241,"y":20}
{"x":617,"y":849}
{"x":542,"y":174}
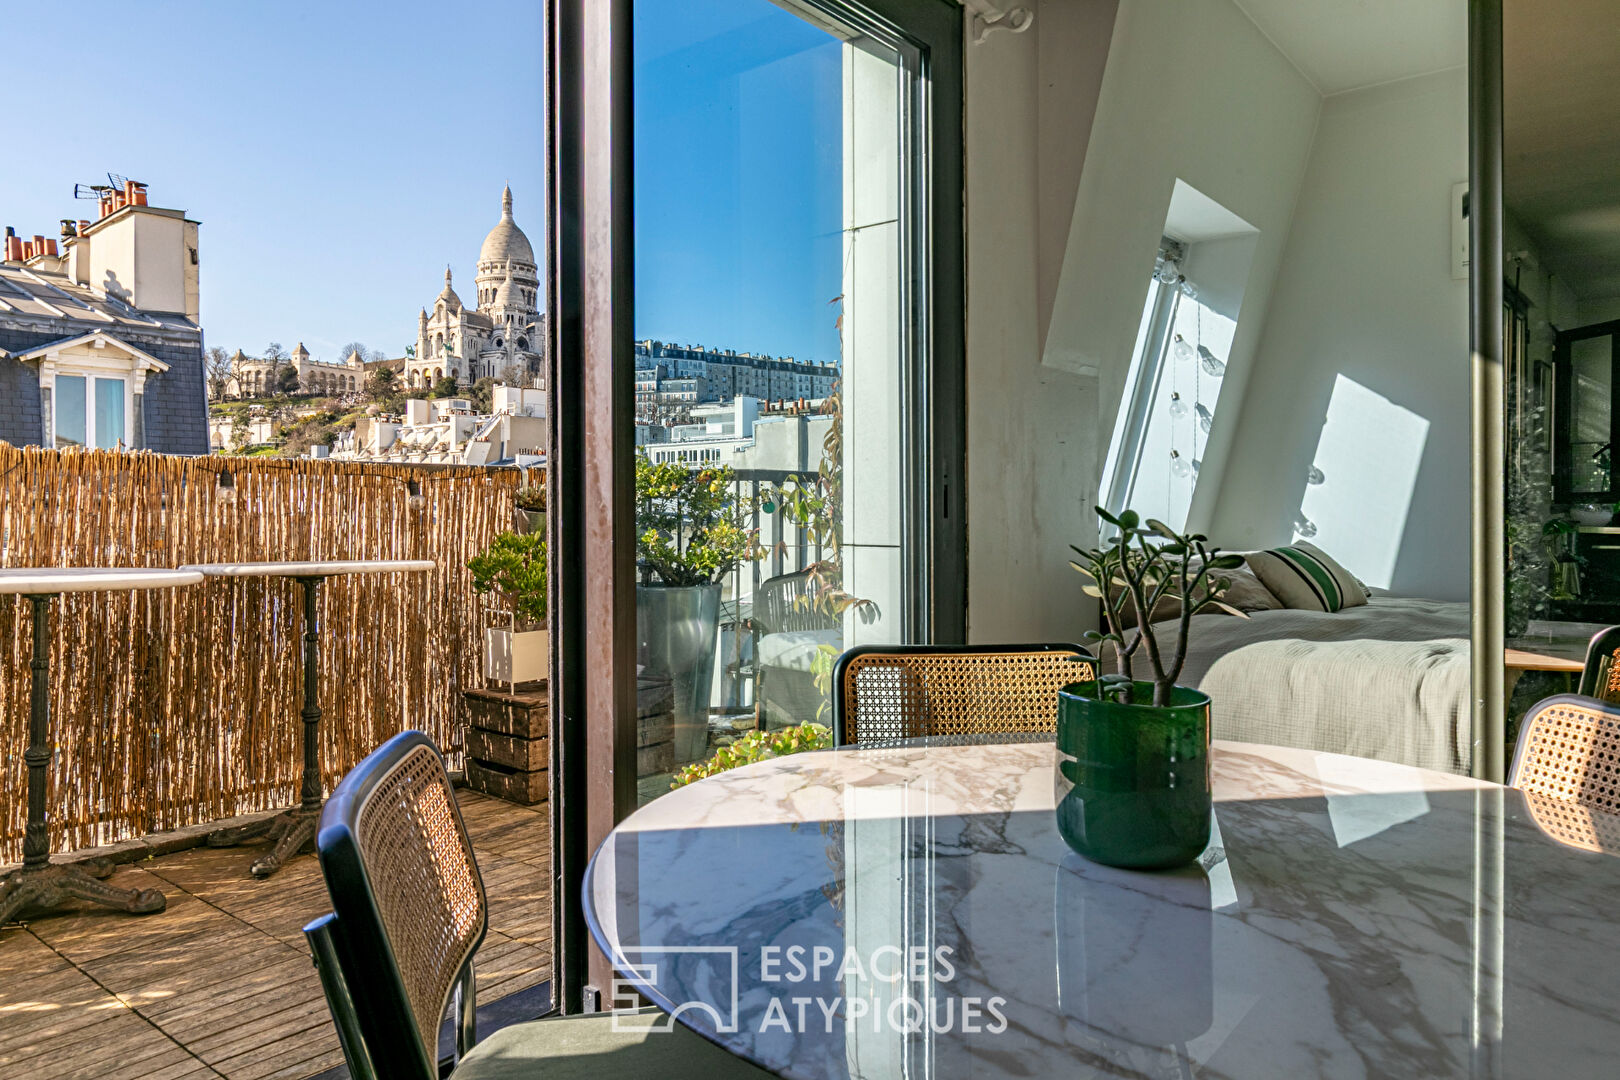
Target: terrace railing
{"x":171,"y":708}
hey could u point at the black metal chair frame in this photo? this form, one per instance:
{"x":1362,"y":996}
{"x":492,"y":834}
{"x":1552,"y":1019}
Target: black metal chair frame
{"x":841,"y":668}
{"x":362,"y":981}
{"x":1600,"y":657}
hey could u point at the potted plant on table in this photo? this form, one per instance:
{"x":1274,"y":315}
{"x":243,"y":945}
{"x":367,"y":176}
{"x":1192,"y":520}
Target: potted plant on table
{"x":1133,"y":786}
{"x":690,"y":533}
{"x":511,"y":573}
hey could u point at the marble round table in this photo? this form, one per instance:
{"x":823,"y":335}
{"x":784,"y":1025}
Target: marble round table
{"x":291,"y":831}
{"x":38,"y":886}
{"x":913,"y":912}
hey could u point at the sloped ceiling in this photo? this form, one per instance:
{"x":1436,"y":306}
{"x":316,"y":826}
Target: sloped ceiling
{"x":1344,"y":45}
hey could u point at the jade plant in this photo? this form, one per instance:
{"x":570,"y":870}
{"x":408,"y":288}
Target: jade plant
{"x":757,"y":746}
{"x":689,"y":523}
{"x":512,"y":571}
{"x":1146,"y":564}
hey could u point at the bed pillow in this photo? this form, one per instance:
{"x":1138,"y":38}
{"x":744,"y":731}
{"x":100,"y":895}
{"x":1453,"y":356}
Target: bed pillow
{"x":1246,"y":593}
{"x":1305,"y":578}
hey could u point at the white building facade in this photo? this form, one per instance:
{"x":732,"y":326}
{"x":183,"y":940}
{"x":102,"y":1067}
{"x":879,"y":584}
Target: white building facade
{"x":503,"y":334}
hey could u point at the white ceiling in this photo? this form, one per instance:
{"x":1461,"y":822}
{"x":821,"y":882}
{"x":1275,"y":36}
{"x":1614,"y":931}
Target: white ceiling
{"x":1561,"y":136}
{"x":1343,"y":45}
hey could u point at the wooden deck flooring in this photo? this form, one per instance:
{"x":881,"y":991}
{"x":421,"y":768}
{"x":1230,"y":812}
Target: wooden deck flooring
{"x":220,"y":984}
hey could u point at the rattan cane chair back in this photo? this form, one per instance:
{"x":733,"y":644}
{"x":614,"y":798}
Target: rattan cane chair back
{"x":408,"y":905}
{"x":1569,"y":749}
{"x":1600,"y":678}
{"x":886,"y":693}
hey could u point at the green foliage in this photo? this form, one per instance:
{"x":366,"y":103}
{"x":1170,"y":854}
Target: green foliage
{"x":530,"y":497}
{"x":816,"y":505}
{"x":1147,"y":563}
{"x":513,"y":571}
{"x":757,"y":746}
{"x":482,"y":394}
{"x":689,"y":525}
{"x":286,"y":380}
{"x":446,"y":387}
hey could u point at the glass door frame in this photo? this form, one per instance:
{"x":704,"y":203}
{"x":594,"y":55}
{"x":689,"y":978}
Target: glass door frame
{"x":591,"y":399}
{"x":1487,"y":402}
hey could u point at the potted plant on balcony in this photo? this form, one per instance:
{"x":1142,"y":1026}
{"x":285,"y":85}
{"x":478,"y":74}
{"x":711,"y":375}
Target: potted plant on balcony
{"x":530,"y":501}
{"x":690,"y":533}
{"x":511,"y":573}
{"x":1133,"y":787}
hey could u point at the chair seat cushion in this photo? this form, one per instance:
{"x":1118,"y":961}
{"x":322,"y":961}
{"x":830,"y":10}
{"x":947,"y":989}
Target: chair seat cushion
{"x":588,"y":1048}
{"x":795,"y":650}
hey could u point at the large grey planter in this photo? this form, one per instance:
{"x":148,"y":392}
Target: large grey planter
{"x":676,"y":626}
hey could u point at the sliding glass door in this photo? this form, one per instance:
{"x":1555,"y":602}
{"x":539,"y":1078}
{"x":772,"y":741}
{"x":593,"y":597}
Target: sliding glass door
{"x":780,"y":363}
{"x":755,"y":456}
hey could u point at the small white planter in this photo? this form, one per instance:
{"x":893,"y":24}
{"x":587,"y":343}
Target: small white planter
{"x":520,"y":656}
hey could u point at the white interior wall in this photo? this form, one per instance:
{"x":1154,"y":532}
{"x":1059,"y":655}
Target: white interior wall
{"x":1192,"y":92}
{"x":1066,"y":200}
{"x":1364,"y":354}
{"x":1033,"y":451}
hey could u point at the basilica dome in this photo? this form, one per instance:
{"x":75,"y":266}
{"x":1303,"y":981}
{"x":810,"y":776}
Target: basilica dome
{"x":506,"y":242}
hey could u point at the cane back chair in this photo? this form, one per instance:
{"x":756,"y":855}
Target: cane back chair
{"x":1600,"y":678}
{"x":784,"y":610}
{"x":1568,"y":765}
{"x":882,"y":693}
{"x":409,"y":912}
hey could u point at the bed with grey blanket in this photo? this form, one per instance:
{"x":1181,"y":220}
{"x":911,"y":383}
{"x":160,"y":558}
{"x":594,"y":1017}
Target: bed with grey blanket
{"x":1388,"y":679}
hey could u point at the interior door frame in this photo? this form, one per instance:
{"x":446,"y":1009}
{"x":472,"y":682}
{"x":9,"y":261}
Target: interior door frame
{"x":591,"y":397}
{"x":1564,"y":406}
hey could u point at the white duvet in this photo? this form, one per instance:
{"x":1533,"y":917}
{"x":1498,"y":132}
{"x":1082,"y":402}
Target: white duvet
{"x":1387,"y":680}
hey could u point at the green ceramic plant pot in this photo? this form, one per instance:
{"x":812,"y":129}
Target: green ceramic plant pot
{"x":1133,"y":787}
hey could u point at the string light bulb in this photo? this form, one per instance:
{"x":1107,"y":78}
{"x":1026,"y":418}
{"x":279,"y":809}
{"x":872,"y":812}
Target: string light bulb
{"x":1178,"y":408}
{"x":1179,"y":466}
{"x":1182,"y":349}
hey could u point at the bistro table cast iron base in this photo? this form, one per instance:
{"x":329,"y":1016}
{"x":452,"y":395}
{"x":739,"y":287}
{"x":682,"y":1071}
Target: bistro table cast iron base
{"x":40,"y":886}
{"x":42,"y":889}
{"x":292,"y":831}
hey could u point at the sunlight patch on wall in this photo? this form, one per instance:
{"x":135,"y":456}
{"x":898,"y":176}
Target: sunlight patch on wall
{"x":1359,"y":493}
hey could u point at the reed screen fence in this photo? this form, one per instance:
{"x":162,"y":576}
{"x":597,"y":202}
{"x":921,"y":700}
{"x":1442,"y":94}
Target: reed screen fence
{"x":176,"y":707}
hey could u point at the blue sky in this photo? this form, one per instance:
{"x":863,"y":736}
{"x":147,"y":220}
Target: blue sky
{"x":339,"y":155}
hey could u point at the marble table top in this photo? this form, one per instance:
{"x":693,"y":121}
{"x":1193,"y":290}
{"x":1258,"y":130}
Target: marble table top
{"x":41,"y":580}
{"x":316,"y":568}
{"x":913,"y":911}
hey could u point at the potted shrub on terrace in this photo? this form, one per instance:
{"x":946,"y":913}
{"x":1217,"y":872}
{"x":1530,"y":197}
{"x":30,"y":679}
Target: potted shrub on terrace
{"x":511,"y":573}
{"x":690,"y":534}
{"x":1133,"y":786}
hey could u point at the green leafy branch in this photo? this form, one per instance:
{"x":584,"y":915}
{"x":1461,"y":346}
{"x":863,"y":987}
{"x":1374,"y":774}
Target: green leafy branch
{"x":1147,"y":563}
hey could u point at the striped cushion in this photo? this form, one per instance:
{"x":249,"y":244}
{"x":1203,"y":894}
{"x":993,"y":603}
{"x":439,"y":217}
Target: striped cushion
{"x":1303,"y":577}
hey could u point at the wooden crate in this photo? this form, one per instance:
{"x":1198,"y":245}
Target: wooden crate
{"x":526,"y":715}
{"x":509,"y":744}
{"x":523,"y":787}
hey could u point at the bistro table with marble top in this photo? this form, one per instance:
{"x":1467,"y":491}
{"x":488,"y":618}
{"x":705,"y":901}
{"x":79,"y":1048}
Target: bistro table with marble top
{"x":39,"y":885}
{"x":294,"y":830}
{"x":912,"y":911}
